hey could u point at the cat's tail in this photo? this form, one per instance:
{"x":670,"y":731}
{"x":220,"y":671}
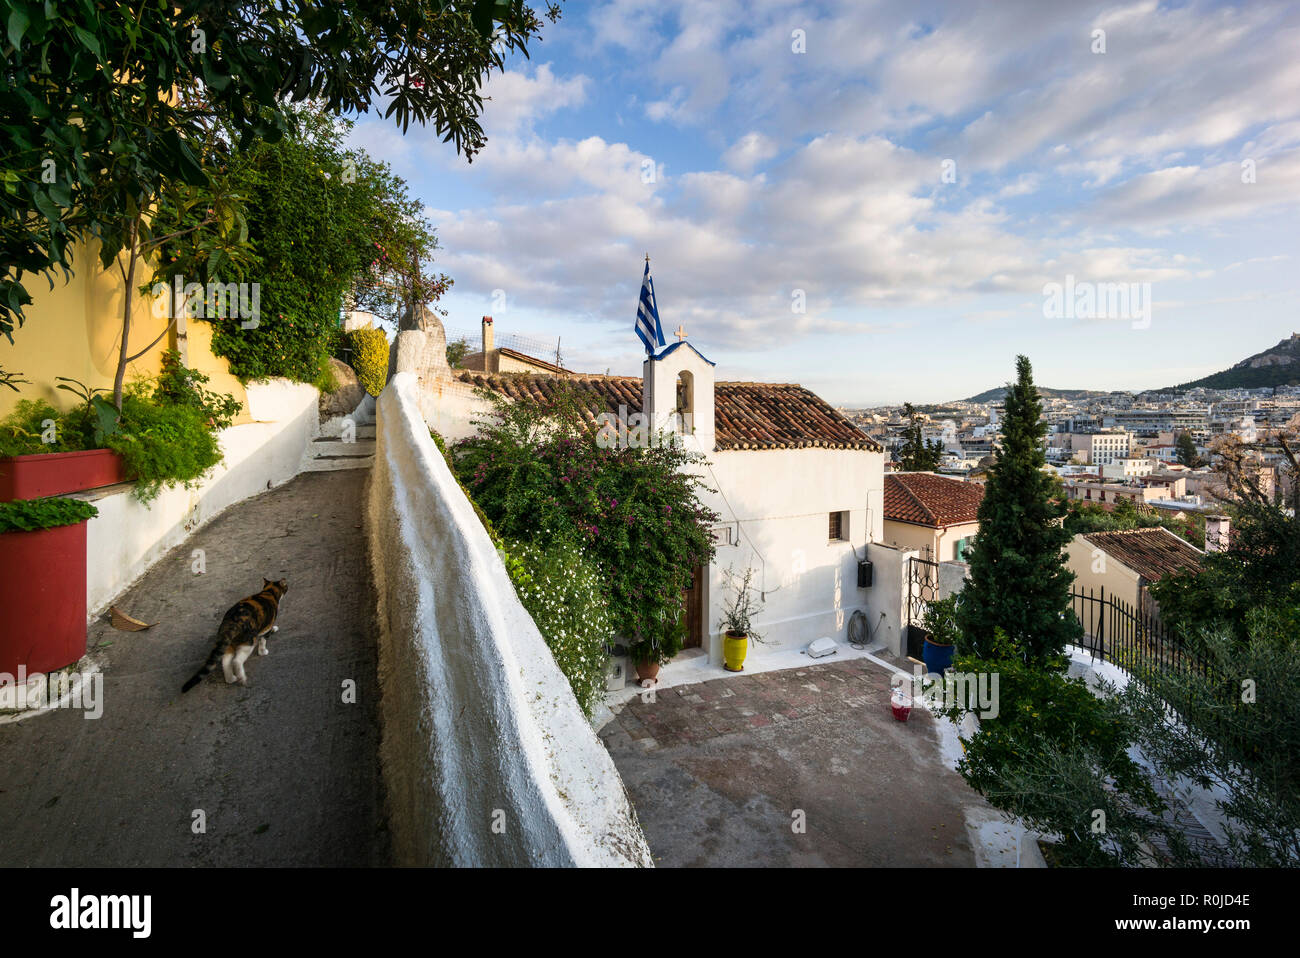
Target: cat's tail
{"x":208,"y":666}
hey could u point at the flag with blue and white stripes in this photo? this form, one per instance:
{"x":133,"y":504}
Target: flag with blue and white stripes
{"x":647,"y":314}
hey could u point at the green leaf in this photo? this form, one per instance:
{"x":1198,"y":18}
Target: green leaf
{"x":89,"y":41}
{"x":19,"y":21}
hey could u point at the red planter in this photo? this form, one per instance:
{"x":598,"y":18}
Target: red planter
{"x":42,"y":598}
{"x":58,"y":473}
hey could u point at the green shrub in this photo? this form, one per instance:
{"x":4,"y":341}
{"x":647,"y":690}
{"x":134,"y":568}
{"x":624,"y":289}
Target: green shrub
{"x":658,"y":649}
{"x":181,"y":386}
{"x":332,"y":229}
{"x":370,"y":358}
{"x":163,"y":444}
{"x":22,"y":430}
{"x":563,"y":592}
{"x":31,"y":515}
{"x":1057,"y":756}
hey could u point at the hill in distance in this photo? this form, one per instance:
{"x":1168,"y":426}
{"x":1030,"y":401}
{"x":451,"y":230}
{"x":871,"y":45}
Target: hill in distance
{"x":998,"y":394}
{"x":1276,"y":366}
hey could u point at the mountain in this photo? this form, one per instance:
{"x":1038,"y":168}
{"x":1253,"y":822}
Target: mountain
{"x":996,"y":395}
{"x":1276,"y":366}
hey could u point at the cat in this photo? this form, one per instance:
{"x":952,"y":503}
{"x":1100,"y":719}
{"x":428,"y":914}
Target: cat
{"x":245,"y":625}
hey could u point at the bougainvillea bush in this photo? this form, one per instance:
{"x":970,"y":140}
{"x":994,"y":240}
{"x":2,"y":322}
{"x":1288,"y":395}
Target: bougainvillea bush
{"x":537,"y":472}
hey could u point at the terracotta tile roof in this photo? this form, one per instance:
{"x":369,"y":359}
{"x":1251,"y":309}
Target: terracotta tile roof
{"x":746,"y":415}
{"x":926,"y":499}
{"x":1151,"y":553}
{"x":781,"y":416}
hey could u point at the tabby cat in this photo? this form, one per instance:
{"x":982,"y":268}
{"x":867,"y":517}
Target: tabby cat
{"x":246,"y":625}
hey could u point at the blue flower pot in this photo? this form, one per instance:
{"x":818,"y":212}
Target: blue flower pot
{"x":937,"y":658}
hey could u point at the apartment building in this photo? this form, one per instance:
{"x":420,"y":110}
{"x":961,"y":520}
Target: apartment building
{"x":1101,"y":448}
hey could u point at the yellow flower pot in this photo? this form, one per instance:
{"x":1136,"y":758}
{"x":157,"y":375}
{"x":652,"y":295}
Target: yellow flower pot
{"x":734,"y":648}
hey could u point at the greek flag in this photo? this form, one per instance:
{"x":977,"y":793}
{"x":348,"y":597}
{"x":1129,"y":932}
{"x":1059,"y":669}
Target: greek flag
{"x":647,"y":314}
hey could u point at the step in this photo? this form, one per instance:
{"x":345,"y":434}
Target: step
{"x":362,"y":430}
{"x":326,"y":446}
{"x":335,"y":463}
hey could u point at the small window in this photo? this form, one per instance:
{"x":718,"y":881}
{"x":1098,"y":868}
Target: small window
{"x":839,"y":527}
{"x":722,"y":535}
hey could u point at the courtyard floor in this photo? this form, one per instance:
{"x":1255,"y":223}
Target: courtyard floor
{"x":724,"y":773}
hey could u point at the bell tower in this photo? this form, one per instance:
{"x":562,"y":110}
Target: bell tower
{"x":677,"y":393}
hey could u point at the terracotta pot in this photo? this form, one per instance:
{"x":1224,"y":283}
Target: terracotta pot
{"x":647,"y":671}
{"x":43,"y":595}
{"x":58,"y":473}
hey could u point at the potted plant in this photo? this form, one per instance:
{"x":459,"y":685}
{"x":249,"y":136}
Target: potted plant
{"x":46,"y":453}
{"x":735,"y":622}
{"x":166,"y":434}
{"x":43,"y":583}
{"x":940,"y":624}
{"x":649,"y":653}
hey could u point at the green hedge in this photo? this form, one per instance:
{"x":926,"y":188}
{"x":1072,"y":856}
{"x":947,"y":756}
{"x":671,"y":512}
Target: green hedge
{"x":370,"y":358}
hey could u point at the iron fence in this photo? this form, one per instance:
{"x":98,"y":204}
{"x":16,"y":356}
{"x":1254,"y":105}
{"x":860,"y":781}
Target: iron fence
{"x":1132,"y":638}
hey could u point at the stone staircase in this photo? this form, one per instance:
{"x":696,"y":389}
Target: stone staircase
{"x":331,"y":450}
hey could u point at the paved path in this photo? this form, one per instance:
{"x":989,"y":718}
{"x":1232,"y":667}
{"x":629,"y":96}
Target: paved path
{"x":717,"y":771}
{"x":285,"y":772}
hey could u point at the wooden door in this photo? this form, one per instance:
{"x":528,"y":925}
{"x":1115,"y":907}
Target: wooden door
{"x":693,"y":610}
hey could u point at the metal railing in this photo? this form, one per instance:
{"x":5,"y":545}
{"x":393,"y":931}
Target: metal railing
{"x":1133,"y":638}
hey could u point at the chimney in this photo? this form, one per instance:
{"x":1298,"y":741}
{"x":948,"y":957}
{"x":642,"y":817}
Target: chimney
{"x":1217,"y":531}
{"x":487,"y":336}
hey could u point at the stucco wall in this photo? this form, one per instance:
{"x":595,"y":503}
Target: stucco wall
{"x":1094,"y":569}
{"x":889,"y":594}
{"x":778,"y":502}
{"x":75,"y":330}
{"x":127,"y":537}
{"x":487,"y":758}
{"x":942,"y":542}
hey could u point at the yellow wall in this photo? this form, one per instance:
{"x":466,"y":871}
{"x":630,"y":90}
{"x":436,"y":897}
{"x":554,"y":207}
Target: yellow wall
{"x":75,"y":330}
{"x":941,"y":542}
{"x":1094,"y":569}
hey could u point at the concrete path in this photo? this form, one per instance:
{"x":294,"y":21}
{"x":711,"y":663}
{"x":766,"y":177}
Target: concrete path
{"x":721,"y":773}
{"x":284,"y":772}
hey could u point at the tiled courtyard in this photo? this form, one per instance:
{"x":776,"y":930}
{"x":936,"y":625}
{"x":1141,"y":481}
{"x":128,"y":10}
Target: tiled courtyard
{"x":727,"y":771}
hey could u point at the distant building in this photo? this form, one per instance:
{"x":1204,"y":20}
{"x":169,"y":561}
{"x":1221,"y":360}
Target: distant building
{"x":1101,"y":448}
{"x":1128,"y":468}
{"x":499,"y":359}
{"x":1142,"y":490}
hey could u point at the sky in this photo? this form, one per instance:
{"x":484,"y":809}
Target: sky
{"x":872,"y":198}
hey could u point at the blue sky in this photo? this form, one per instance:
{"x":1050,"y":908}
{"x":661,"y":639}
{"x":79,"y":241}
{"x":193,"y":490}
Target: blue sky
{"x":782,"y":177}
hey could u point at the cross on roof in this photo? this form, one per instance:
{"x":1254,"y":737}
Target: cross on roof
{"x":681,"y":333}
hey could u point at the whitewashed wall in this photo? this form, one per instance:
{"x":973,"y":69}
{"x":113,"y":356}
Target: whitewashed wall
{"x":778,"y":503}
{"x":889,"y":595}
{"x":126,"y":538}
{"x":480,"y":726}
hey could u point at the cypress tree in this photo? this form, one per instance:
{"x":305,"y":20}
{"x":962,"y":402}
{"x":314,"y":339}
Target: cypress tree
{"x":1018,"y":581}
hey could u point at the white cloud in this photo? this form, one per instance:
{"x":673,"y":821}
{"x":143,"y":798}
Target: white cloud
{"x":750,"y":151}
{"x":517,"y":100}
